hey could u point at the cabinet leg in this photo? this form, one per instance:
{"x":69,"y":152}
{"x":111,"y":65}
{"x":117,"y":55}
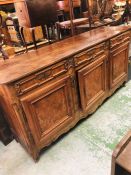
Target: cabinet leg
{"x":124,"y":84}
{"x":17,"y":140}
{"x":36,"y":157}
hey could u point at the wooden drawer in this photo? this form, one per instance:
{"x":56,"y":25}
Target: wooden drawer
{"x":30,"y":82}
{"x":120,"y":39}
{"x":90,"y":54}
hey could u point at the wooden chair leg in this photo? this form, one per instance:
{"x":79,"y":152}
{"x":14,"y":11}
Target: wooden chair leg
{"x":4,"y":54}
{"x":58,"y":30}
{"x":33,"y":37}
{"x":23,"y":38}
{"x":53,"y":32}
{"x":48,"y":34}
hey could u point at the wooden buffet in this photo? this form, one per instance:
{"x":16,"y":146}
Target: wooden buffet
{"x":46,"y":92}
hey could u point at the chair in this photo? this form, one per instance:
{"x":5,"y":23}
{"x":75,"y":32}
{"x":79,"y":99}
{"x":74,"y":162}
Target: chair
{"x":66,"y":25}
{"x":4,"y":54}
{"x":64,"y":5}
{"x":30,"y":35}
{"x":13,"y":30}
{"x":23,"y":35}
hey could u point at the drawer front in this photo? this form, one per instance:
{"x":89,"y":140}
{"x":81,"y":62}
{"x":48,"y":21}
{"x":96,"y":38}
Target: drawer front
{"x":35,"y":80}
{"x":120,"y":39}
{"x":90,"y":55}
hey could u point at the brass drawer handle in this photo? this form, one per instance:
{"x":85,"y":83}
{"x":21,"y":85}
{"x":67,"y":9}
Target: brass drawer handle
{"x":44,"y":75}
{"x":41,"y":76}
{"x":119,"y":39}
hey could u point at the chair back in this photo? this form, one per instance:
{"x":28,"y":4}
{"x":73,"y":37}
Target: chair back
{"x":11,"y":29}
{"x":64,"y":5}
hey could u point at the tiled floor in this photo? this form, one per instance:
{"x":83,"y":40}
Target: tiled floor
{"x":86,"y":150}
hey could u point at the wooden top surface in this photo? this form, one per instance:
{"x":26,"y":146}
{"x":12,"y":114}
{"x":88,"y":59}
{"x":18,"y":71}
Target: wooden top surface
{"x":25,"y":64}
{"x":124,"y":159}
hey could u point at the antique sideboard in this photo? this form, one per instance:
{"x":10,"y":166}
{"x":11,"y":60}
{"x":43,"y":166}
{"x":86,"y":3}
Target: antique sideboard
{"x":46,"y":92}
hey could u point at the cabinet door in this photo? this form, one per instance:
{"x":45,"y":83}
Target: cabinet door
{"x":118,"y":65}
{"x":92,"y":83}
{"x":49,"y":110}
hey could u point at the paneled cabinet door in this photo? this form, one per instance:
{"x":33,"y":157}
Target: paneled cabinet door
{"x":49,"y":110}
{"x":92,"y":83}
{"x":118,"y":65}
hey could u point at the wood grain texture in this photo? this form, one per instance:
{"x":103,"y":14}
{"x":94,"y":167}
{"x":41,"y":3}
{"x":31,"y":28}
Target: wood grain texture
{"x":92,"y":82}
{"x":11,"y":70}
{"x":47,"y":114}
{"x":53,"y":88}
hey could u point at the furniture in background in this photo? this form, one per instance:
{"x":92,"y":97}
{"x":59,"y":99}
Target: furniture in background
{"x":12,"y":25}
{"x":67,"y":24}
{"x":18,"y":34}
{"x":126,"y":17}
{"x":4,"y":31}
{"x":97,"y":12}
{"x":22,"y":36}
{"x":30,"y":35}
{"x":121,"y":158}
{"x":100,"y":12}
{"x":62,"y":83}
{"x":64,"y":6}
{"x":74,"y":18}
{"x":36,"y":13}
{"x":33,"y":13}
{"x":2,"y":51}
{"x":7,"y":51}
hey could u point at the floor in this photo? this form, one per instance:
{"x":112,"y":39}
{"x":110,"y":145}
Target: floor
{"x":86,"y":150}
